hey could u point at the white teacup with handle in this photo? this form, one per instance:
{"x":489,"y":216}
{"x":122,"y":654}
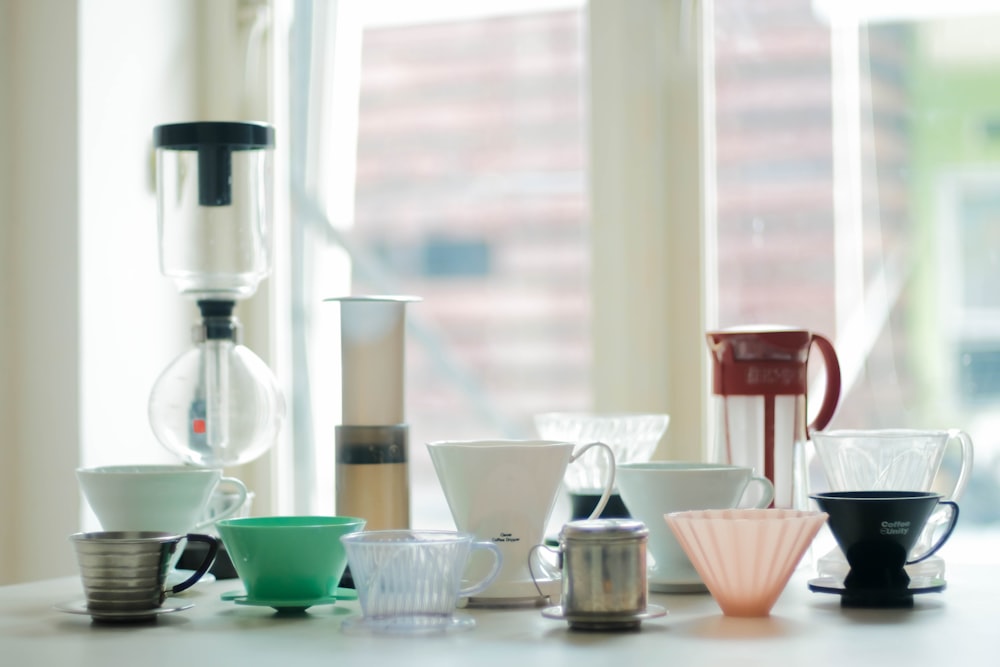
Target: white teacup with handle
{"x":653,"y":489}
{"x":167,"y":498}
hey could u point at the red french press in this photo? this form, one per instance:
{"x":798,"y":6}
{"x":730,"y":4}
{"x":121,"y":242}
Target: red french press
{"x":761,"y":375}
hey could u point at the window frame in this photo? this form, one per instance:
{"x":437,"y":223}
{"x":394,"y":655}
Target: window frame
{"x":653,"y":212}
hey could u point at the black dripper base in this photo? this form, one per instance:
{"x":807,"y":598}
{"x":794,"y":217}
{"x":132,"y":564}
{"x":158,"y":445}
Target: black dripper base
{"x":582,"y":504}
{"x":884,"y":597}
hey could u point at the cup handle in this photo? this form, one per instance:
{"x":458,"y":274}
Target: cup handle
{"x":609,"y":484}
{"x":497,"y":562}
{"x":767,"y":491}
{"x":832,"y":394}
{"x":213,"y":548}
{"x":965,"y":442}
{"x":944,"y":538}
{"x":233,"y":508}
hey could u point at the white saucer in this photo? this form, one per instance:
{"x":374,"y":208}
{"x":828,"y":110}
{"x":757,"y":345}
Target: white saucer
{"x":175,"y":577}
{"x":288,"y":605}
{"x":80,"y":607}
{"x":408,"y":625}
{"x":663,"y":584}
{"x":517,"y":594}
{"x":604,"y":621}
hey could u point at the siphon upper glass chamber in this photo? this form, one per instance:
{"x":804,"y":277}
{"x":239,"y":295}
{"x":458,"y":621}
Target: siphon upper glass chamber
{"x":214,"y":206}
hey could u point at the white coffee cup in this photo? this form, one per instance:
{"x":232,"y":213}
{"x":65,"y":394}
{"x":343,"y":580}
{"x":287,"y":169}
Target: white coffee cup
{"x":166,"y":498}
{"x":650,"y":490}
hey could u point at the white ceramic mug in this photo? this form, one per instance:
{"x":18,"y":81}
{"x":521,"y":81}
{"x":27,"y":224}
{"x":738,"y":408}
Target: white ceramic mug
{"x":503,"y":491}
{"x":653,"y":489}
{"x":167,"y":498}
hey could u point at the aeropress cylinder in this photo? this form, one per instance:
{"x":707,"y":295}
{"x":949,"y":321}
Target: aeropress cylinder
{"x":372,"y":470}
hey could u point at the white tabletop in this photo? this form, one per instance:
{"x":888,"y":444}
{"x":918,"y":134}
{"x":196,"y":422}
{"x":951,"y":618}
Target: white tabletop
{"x":955,"y":627}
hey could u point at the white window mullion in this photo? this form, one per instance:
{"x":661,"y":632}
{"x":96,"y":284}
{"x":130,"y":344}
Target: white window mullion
{"x":650,"y":139}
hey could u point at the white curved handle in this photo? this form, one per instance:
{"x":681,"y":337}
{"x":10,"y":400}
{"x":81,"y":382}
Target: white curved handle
{"x":767,"y":491}
{"x":609,"y":483}
{"x":233,"y":508}
{"x":965,"y":442}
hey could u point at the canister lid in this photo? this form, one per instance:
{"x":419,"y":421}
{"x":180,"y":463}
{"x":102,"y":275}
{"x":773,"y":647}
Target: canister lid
{"x":604,"y":529}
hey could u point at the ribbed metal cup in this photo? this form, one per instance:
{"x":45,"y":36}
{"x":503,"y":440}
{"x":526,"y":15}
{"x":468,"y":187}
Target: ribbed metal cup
{"x":124,"y":571}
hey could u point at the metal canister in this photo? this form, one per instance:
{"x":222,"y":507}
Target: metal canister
{"x":603,"y":568}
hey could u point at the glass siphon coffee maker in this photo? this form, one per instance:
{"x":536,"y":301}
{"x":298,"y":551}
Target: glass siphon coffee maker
{"x":218,"y":404}
{"x":760,"y":375}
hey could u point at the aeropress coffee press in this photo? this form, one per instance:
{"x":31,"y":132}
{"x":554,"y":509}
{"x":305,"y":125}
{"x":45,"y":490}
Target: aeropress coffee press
{"x":217,"y":404}
{"x":372,"y":442}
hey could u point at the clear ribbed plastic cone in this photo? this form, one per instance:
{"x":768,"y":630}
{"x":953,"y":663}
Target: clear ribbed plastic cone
{"x":632,"y":437}
{"x":745,"y":556}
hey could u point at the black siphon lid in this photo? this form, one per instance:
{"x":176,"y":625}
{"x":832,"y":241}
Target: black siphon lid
{"x":215,"y":142}
{"x":234,"y":135}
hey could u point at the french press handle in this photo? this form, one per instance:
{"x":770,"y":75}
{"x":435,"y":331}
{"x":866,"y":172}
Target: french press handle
{"x":831,"y":396}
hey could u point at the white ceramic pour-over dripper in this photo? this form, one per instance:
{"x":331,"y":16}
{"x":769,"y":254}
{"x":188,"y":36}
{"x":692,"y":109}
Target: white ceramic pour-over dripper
{"x":503,"y":491}
{"x":892,"y":460}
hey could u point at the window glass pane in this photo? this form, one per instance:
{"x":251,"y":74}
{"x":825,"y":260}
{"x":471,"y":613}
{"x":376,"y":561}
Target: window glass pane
{"x":471,"y":194}
{"x":858,"y":166}
{"x":774,"y":165}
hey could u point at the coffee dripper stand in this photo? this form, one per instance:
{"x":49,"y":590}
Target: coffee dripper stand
{"x":893,"y":459}
{"x":879,"y":574}
{"x":217,"y":404}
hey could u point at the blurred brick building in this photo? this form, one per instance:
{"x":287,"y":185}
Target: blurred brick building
{"x":471,"y":190}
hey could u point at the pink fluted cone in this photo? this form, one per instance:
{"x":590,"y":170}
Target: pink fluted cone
{"x":745,"y":556}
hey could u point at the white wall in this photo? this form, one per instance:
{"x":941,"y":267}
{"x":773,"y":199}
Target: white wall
{"x":648,"y":198}
{"x":87,"y":320}
{"x":41,"y":431}
{"x":7,"y":468}
{"x":133,"y":321}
